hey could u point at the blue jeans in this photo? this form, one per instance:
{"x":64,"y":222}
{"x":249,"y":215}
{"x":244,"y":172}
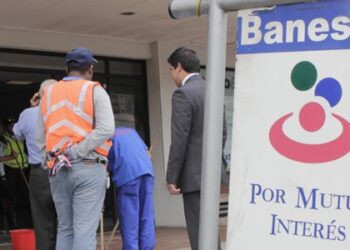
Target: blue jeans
{"x":78,"y":194}
{"x":136,"y":213}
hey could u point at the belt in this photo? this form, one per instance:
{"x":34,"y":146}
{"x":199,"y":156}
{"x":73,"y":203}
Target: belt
{"x":36,"y":165}
{"x":93,"y":161}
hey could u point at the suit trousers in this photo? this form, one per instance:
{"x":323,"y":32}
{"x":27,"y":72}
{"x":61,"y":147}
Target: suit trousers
{"x":192,"y":211}
{"x":43,"y":209}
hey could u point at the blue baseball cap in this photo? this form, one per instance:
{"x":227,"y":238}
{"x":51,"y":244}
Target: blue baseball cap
{"x":80,"y":57}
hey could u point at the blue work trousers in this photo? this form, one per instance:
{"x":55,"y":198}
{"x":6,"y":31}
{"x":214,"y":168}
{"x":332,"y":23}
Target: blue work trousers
{"x":78,"y":194}
{"x":136,"y":213}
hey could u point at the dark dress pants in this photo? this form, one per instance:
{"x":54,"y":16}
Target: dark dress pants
{"x":43,"y":209}
{"x":18,"y":194}
{"x":192,"y":211}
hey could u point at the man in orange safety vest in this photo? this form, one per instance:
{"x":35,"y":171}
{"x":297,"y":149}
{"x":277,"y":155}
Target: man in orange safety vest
{"x":75,"y":124}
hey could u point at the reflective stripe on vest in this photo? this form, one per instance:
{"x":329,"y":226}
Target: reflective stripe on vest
{"x":78,"y":109}
{"x":68,"y":124}
{"x":21,"y":160}
{"x":68,"y":115}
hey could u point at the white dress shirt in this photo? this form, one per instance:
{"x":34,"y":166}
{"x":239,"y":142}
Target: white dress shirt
{"x":188,"y":77}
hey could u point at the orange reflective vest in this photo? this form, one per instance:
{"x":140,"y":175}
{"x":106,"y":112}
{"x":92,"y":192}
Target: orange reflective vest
{"x":68,"y":113}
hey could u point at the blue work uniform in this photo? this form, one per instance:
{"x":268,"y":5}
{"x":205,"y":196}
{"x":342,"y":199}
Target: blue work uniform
{"x":132,"y":173}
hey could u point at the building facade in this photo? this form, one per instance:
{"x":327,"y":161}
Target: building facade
{"x":137,"y":77}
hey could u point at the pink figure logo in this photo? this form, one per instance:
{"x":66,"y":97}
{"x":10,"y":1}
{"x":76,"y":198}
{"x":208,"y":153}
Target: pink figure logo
{"x":312,"y":118}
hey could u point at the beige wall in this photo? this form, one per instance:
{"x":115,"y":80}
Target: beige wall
{"x":169,"y":209}
{"x":62,"y":42}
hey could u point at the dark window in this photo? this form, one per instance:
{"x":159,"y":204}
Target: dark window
{"x":21,"y":73}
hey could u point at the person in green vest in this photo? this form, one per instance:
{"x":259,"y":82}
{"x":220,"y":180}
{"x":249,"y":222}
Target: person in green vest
{"x":17,"y":175}
{"x":5,"y":198}
{"x":13,"y":146}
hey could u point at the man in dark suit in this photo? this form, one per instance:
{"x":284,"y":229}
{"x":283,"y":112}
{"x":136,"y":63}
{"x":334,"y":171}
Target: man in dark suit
{"x":185,"y":156}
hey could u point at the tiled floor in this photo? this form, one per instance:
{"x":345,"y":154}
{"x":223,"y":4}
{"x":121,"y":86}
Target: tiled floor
{"x":167,"y":239}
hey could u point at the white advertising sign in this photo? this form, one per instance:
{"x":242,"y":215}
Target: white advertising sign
{"x":290,"y":173}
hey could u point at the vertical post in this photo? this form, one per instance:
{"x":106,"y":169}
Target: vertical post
{"x":213,"y":128}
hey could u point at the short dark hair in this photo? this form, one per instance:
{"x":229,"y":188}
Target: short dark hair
{"x":74,"y":67}
{"x":187,"y":58}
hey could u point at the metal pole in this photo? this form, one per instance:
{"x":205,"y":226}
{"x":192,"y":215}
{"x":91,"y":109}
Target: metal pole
{"x":112,"y":235}
{"x":233,"y":5}
{"x":189,"y":8}
{"x":102,"y":236}
{"x":213,"y":129}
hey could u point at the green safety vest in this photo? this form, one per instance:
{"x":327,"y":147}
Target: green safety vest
{"x":17,"y":146}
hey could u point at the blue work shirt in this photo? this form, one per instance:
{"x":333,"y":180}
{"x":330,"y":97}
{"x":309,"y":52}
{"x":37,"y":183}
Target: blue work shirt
{"x":128,"y":157}
{"x":25,"y":130}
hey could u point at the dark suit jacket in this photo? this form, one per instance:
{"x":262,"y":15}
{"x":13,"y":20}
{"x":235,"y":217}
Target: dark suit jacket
{"x":185,"y":156}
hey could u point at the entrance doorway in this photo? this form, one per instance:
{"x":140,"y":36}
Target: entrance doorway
{"x":22,"y":71}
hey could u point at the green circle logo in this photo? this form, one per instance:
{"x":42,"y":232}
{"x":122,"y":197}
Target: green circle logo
{"x":304,"y":76}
